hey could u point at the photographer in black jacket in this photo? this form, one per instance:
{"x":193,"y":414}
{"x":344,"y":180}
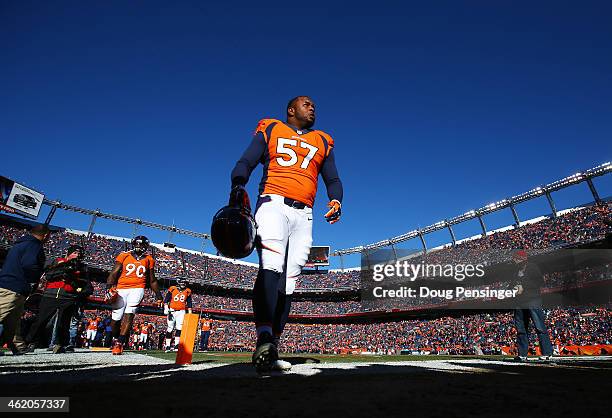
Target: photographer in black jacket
{"x":66,"y":285}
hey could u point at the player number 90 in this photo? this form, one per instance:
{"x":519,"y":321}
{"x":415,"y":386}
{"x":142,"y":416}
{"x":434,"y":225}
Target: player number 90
{"x":131,"y":268}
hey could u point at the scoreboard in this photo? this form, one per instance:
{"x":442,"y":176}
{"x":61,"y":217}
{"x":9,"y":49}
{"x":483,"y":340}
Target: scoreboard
{"x":318,"y":257}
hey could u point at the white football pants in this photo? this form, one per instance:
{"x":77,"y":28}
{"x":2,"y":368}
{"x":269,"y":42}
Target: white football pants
{"x":177,"y":320}
{"x":286,"y":237}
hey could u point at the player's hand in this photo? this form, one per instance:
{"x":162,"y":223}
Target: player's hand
{"x":166,"y":310}
{"x":240,"y":198}
{"x":333,"y":214}
{"x":110,"y":295}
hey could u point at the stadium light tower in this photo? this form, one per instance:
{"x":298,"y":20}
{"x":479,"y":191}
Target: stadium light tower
{"x":482,"y":224}
{"x":450,"y":230}
{"x":422,"y":237}
{"x":367,"y":257}
{"x":593,"y":190}
{"x":551,"y":202}
{"x":514,"y":214}
{"x":393,"y":248}
{"x":51,"y":214}
{"x":136,"y":227}
{"x":94,"y":216}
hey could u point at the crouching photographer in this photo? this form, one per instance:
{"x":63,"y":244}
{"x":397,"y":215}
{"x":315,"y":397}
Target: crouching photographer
{"x":66,"y":285}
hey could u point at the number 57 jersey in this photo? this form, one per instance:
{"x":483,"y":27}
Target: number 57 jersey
{"x":135,"y":271}
{"x":293,"y":160}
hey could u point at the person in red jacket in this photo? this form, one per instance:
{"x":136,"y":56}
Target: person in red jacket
{"x":65,"y":285}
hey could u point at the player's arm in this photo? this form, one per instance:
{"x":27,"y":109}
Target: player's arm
{"x":111,"y":280}
{"x":333,"y":184}
{"x":249,"y":160}
{"x":167,"y":302}
{"x":243,"y":169}
{"x":155,"y":287}
{"x":189,"y":304}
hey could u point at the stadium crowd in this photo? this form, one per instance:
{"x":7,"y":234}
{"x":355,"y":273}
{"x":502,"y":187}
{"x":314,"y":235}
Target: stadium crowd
{"x":222,"y":303}
{"x":469,"y":334}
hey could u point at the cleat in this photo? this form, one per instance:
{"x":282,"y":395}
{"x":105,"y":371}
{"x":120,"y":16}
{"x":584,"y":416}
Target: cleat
{"x":264,"y":356}
{"x":117,"y":348}
{"x":280,"y":366}
{"x":520,"y":359}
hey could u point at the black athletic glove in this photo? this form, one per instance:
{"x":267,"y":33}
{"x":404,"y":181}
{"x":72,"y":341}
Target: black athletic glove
{"x":240,"y":198}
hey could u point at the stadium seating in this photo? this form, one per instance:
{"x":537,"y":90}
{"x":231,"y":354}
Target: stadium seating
{"x":468,"y":334}
{"x":580,"y":225}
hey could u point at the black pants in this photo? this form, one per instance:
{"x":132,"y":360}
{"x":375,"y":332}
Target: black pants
{"x":204,"y":335}
{"x":48,"y":306}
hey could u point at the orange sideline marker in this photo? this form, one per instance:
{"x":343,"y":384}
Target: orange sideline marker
{"x":187,"y":341}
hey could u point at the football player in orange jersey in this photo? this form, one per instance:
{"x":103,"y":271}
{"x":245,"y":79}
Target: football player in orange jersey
{"x":205,"y":332}
{"x":126,"y":284}
{"x":293,"y":156}
{"x":135,"y":336}
{"x":92,"y":330}
{"x":177,"y":300}
{"x":145,"y":329}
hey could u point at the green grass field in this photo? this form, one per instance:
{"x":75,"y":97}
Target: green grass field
{"x":242,"y":357}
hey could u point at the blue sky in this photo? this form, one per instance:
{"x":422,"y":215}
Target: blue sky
{"x":142,"y":108}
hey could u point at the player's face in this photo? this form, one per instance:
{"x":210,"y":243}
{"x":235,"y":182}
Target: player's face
{"x":140,"y":248}
{"x":304,"y":111}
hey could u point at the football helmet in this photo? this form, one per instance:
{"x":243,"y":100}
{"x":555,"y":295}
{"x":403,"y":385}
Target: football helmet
{"x":233,"y":228}
{"x":140,"y":245}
